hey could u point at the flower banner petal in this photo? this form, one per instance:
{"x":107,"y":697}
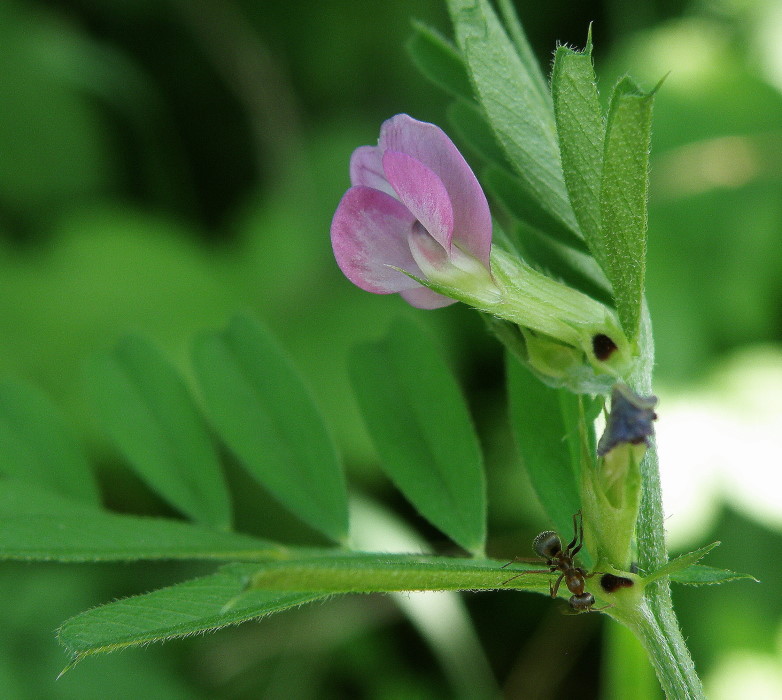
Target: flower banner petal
{"x":430,"y":145}
{"x":366,"y":168}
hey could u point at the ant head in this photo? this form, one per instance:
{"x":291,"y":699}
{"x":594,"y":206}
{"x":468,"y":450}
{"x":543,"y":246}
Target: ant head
{"x":582,"y":602}
{"x":547,"y":544}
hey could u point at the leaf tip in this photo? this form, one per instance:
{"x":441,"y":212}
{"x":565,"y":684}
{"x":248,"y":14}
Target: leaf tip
{"x":660,"y":82}
{"x":74,"y":660}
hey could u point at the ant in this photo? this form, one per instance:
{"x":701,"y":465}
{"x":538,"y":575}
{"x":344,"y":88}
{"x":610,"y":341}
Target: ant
{"x":548,"y":546}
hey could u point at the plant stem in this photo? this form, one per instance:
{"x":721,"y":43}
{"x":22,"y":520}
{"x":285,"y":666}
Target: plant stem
{"x":654,"y":621}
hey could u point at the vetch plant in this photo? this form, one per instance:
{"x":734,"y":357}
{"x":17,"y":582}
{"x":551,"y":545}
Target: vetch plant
{"x":555,"y":267}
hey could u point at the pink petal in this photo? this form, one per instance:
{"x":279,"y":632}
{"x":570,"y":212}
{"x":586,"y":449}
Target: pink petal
{"x":369,"y":232}
{"x":423,"y":193}
{"x":425,"y":298}
{"x":429,"y":144}
{"x":366,"y":168}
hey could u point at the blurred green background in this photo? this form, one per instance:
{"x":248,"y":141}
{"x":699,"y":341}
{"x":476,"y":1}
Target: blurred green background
{"x":165,"y":164}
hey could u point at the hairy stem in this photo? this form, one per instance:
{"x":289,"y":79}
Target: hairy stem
{"x":655,"y":625}
{"x":654,"y":621}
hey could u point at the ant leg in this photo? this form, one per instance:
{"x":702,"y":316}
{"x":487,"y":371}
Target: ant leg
{"x":610,"y":605}
{"x":579,"y":534}
{"x":575,"y":531}
{"x":521,"y":573}
{"x":553,"y":588}
{"x":534,"y":560}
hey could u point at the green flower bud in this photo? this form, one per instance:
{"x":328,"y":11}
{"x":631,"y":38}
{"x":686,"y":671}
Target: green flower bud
{"x":611,"y":491}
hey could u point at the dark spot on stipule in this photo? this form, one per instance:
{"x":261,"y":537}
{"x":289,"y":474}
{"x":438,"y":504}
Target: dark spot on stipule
{"x":610,"y":583}
{"x":603,"y":346}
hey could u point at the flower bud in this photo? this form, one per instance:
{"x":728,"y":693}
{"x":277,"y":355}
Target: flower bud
{"x":611,"y":491}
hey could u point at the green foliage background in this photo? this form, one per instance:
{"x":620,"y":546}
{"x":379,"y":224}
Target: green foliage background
{"x":165,"y":164}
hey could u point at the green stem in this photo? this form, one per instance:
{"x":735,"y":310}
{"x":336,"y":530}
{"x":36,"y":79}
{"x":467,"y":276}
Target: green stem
{"x":654,"y":621}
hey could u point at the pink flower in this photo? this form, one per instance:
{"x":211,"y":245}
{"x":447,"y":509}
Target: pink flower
{"x":414,"y":205}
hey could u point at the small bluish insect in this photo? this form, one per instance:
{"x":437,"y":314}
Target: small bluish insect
{"x":630,"y":420}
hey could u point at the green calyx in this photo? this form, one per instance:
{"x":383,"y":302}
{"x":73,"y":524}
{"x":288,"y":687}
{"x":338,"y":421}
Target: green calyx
{"x":610,"y":503}
{"x":566,"y":338}
{"x":611,"y":483}
{"x":570,"y":340}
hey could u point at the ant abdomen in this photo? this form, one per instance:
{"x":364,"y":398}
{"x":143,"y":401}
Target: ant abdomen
{"x":547,"y":544}
{"x":582,"y":602}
